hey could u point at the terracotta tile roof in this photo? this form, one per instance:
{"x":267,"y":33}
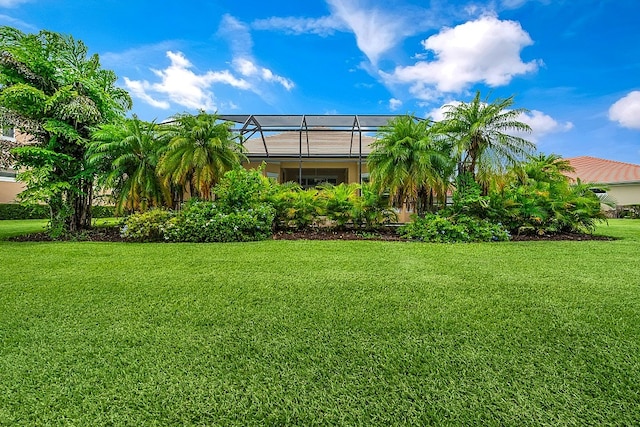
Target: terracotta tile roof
{"x":602,"y":171}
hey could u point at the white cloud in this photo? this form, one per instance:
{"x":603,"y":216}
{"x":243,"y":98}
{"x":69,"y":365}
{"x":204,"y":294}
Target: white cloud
{"x":377,"y":30}
{"x":139,"y":90}
{"x":541,"y":124}
{"x":626,"y":111}
{"x":17,"y":23}
{"x":12,"y":3}
{"x":394,"y":104}
{"x":239,"y":37}
{"x":248,"y":69}
{"x":485,"y":50}
{"x":324,"y":26}
{"x":182,"y":86}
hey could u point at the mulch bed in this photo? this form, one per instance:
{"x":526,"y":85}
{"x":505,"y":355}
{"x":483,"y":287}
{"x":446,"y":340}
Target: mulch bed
{"x":112,"y":234}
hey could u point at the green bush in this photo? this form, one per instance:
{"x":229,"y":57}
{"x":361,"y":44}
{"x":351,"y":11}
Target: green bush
{"x":297,"y":208}
{"x":19,"y":211}
{"x":461,"y":228}
{"x":103,"y":211}
{"x":201,"y":221}
{"x":147,"y":226}
{"x":241,"y":189}
{"x":372,"y":209}
{"x":31,"y":211}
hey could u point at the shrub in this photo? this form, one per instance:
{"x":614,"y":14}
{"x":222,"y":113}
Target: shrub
{"x":339,"y":203}
{"x":462,"y":228}
{"x":103,"y":211}
{"x":147,"y":226}
{"x":241,"y":189}
{"x":20,"y":211}
{"x":372,"y":209}
{"x":31,"y":211}
{"x":297,"y":208}
{"x":201,"y":221}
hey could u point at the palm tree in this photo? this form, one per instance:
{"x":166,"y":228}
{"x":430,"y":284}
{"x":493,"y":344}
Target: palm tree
{"x":411,"y":164}
{"x":478,"y":134}
{"x":128,"y":154}
{"x":200,"y":151}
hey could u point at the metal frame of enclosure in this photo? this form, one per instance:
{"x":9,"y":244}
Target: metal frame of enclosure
{"x":248,"y":125}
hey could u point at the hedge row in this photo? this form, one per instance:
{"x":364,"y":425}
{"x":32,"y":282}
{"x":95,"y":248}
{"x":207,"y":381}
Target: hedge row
{"x":17,"y":211}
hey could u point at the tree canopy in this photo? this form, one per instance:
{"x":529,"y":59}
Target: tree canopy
{"x":53,"y":90}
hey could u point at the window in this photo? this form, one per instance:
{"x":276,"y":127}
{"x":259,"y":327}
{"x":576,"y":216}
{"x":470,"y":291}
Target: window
{"x":8,"y":133}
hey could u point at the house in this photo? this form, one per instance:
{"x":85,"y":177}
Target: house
{"x":310,"y":149}
{"x":9,"y":188}
{"x":622,"y":179}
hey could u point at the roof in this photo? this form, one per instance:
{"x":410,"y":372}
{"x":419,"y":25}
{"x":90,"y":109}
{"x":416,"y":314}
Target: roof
{"x":310,"y":144}
{"x":308,"y":135}
{"x":602,"y":171}
{"x":294,"y":122}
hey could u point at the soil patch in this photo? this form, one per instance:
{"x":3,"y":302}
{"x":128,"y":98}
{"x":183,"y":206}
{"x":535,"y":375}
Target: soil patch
{"x":112,"y":234}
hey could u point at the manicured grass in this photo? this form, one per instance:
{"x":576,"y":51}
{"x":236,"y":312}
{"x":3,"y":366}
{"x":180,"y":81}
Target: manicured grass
{"x":330,"y":333}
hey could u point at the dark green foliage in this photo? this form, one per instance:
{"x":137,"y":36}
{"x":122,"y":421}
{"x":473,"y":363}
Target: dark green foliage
{"x":20,"y":211}
{"x":455,"y":229}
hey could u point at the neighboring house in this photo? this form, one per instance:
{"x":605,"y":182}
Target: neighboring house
{"x":622,"y":179}
{"x":310,"y":149}
{"x":9,"y":188}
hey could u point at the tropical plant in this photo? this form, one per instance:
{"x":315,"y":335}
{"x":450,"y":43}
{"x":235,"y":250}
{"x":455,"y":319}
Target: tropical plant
{"x":410,"y":163}
{"x":126,"y":154}
{"x":479,"y":134}
{"x":541,"y":199}
{"x":372,"y":208}
{"x":201,"y":149}
{"x":339,"y":202}
{"x":53,"y":91}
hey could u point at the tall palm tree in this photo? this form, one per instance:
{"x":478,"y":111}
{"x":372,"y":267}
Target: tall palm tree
{"x":200,"y":151}
{"x":127,"y":154}
{"x":409,"y":162}
{"x":479,"y":135}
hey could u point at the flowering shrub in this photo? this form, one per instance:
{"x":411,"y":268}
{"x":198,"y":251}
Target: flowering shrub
{"x":148,"y":226}
{"x":205,"y":222}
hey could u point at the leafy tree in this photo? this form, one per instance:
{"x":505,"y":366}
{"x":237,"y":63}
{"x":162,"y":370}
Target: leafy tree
{"x":127,"y":155}
{"x":201,"y":149}
{"x":51,"y":89}
{"x":478,"y":132}
{"x":410,"y":163}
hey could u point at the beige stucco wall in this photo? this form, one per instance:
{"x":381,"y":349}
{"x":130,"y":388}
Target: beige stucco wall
{"x":9,"y":190}
{"x":625,"y":194}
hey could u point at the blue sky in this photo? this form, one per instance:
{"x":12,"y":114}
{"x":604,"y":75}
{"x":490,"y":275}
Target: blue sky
{"x":575,"y":64}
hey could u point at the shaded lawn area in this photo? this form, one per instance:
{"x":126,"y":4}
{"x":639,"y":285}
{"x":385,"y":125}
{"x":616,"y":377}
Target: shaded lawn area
{"x":321,"y":332}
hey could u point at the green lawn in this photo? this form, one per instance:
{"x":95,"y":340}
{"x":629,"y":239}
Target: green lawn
{"x":326,"y":333}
